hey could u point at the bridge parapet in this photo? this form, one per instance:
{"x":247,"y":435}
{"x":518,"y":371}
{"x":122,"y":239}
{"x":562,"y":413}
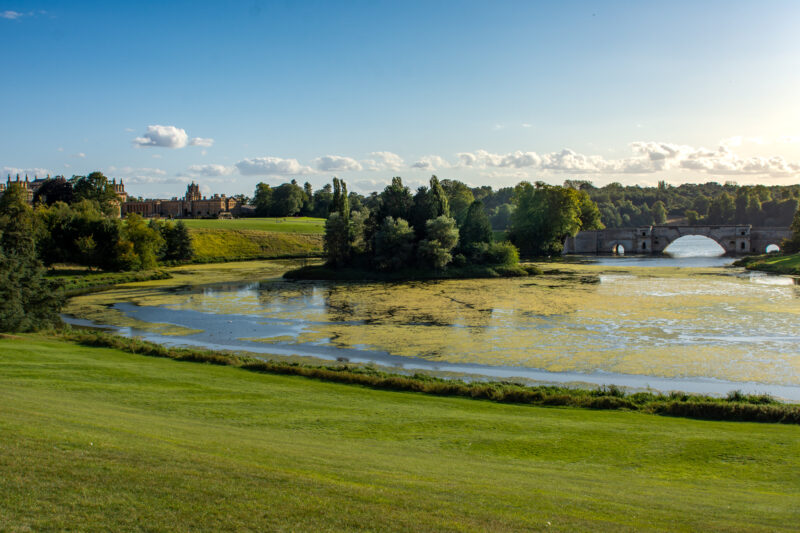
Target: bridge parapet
{"x":734,"y":239}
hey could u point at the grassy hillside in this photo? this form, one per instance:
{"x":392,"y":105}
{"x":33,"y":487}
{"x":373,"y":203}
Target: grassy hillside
{"x":94,"y":438}
{"x":241,"y":244}
{"x":255,"y":238}
{"x":281,"y":225}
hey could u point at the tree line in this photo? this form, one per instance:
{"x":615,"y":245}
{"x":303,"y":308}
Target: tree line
{"x":442,"y":224}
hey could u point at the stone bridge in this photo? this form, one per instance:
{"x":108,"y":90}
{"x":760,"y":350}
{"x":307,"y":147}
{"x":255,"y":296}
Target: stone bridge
{"x":734,"y":239}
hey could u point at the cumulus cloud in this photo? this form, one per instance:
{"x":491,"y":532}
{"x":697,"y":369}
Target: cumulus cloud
{"x":648,"y":157}
{"x":431,"y":162}
{"x":30,"y":172}
{"x":211,"y":170}
{"x":272,"y":166}
{"x":337,"y":163}
{"x":384,"y":161}
{"x":11,"y":15}
{"x":163,"y":136}
{"x":200,"y":141}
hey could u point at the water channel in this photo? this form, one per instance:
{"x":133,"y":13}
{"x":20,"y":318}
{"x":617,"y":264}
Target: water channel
{"x":687,"y":322}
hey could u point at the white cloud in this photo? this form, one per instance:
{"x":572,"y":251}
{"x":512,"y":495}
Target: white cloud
{"x":337,"y":163}
{"x":163,"y":136}
{"x":212,"y":170}
{"x":30,"y":172}
{"x":80,"y":154}
{"x":384,"y":161}
{"x":11,"y":15}
{"x":526,"y":125}
{"x":60,"y":149}
{"x":272,"y":166}
{"x":200,"y":141}
{"x":431,"y":162}
{"x":649,"y":157}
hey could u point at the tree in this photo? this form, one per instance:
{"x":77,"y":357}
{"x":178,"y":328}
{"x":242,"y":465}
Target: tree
{"x":308,"y":200}
{"x":722,"y":210}
{"x":590,"y":213}
{"x":502,"y":216}
{"x":28,"y":301}
{"x":262,"y":199}
{"x":792,"y":245}
{"x":338,"y":240}
{"x":545,"y":215}
{"x":459,"y":197}
{"x":394,"y":244}
{"x":338,"y":230}
{"x":94,"y":187}
{"x":659,"y":212}
{"x":476,"y":227}
{"x":439,"y":198}
{"x":145,"y":240}
{"x":177,"y":242}
{"x":54,"y":190}
{"x":442,"y":237}
{"x":287,"y":200}
{"x":323,"y":199}
{"x":423,"y":209}
{"x":395,"y":201}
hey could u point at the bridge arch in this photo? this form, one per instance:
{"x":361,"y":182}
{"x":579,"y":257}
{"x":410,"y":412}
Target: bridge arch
{"x":693,"y":245}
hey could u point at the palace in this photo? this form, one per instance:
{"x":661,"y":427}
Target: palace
{"x":29,"y":186}
{"x":193,"y":205}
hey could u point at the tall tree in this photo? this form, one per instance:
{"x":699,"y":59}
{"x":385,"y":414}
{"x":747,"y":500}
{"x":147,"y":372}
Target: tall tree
{"x":459,"y":198}
{"x":476,"y":227}
{"x":28,"y":301}
{"x":442,"y":237}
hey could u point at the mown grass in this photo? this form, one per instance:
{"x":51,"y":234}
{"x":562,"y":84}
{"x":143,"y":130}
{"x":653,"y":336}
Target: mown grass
{"x":275,"y":225}
{"x":775,"y":263}
{"x":214,"y":245}
{"x":99,"y":439}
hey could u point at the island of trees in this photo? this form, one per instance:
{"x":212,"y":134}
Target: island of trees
{"x":442,"y":231}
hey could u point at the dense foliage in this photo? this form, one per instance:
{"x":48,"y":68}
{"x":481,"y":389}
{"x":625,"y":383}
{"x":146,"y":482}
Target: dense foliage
{"x":444,"y":224}
{"x":28,"y":301}
{"x":403,"y":231}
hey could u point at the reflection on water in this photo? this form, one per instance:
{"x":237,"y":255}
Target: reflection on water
{"x":705,"y":331}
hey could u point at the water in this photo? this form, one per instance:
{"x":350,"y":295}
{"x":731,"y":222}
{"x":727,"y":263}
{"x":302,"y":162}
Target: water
{"x":708,"y":330}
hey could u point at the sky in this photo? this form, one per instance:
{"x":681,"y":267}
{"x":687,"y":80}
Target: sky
{"x":228,"y":94}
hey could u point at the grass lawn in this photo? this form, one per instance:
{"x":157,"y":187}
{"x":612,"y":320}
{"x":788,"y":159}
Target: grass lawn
{"x":255,"y":238}
{"x":282,"y":225}
{"x":95,"y":438}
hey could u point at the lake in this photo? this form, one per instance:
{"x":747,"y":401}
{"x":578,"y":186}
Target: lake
{"x":635,"y":322}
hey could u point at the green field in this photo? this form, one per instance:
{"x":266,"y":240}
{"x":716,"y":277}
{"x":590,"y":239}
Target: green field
{"x":282,"y":225}
{"x":95,"y":438}
{"x":255,"y":238}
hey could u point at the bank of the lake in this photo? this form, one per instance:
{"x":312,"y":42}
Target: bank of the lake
{"x":328,"y":273}
{"x":101,"y":436}
{"x":787,"y":264}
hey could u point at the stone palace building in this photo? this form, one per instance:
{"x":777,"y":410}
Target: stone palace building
{"x":193,"y":205}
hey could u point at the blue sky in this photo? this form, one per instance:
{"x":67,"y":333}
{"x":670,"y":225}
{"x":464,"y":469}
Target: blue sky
{"x":232,"y":93}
